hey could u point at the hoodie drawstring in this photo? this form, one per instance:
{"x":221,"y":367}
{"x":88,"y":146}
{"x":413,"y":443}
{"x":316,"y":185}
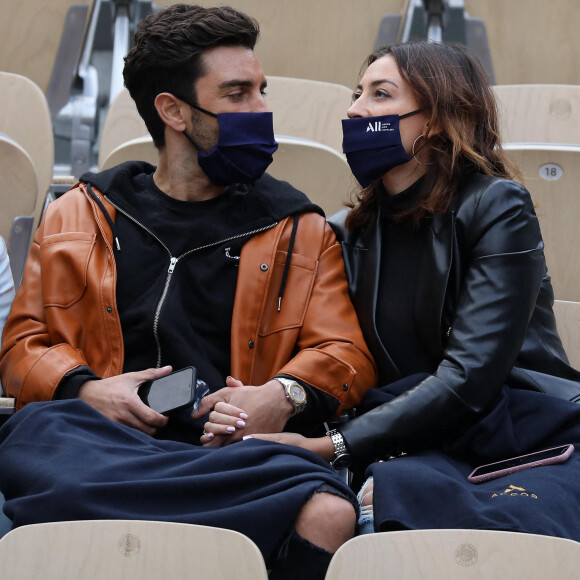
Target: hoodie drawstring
{"x":288,"y":260}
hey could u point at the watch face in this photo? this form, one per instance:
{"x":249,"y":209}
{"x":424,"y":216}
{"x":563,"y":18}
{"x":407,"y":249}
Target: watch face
{"x":297,"y":393}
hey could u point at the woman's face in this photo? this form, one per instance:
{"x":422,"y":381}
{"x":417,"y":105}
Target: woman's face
{"x":382,"y":91}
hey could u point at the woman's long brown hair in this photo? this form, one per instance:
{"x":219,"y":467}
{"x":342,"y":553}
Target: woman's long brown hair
{"x":451,"y":86}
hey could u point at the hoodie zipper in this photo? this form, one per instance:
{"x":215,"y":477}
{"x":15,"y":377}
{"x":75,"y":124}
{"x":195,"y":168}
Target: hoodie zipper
{"x":173,"y":262}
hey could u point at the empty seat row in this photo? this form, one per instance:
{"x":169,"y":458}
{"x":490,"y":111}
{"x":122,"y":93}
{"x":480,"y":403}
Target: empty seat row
{"x":332,"y":42}
{"x":143,"y":550}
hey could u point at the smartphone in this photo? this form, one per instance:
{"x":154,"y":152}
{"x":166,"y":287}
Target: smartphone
{"x":500,"y":468}
{"x":172,"y":392}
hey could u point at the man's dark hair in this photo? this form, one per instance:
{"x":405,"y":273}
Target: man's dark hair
{"x":167,"y":54}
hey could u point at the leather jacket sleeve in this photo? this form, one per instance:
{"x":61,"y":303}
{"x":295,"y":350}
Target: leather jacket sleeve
{"x":26,"y":344}
{"x":499,"y":241}
{"x":31,"y":365}
{"x":52,"y":326}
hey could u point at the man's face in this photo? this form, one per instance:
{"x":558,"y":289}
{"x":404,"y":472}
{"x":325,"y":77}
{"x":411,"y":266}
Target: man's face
{"x":234,"y":82}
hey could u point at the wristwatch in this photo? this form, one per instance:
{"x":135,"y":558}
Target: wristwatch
{"x":341,"y":454}
{"x":295,"y":393}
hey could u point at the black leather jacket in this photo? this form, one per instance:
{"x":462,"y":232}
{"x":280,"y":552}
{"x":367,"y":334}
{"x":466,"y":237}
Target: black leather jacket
{"x":483,"y":304}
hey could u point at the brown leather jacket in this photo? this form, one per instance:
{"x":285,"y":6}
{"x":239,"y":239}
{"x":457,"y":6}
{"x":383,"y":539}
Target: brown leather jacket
{"x":65,"y":315}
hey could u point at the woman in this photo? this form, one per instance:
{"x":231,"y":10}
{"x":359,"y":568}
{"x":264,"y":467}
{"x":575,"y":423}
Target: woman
{"x":447,"y":272}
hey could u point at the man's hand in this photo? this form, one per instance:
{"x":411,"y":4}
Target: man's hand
{"x":117,"y":399}
{"x":239,"y":410}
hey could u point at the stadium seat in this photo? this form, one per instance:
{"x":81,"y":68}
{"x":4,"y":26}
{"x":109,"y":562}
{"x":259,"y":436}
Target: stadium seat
{"x":531,"y":41}
{"x":122,"y":124}
{"x":19,"y":197}
{"x":539,"y":113}
{"x":568,"y":321}
{"x":455,"y":555}
{"x":127,"y":549}
{"x":551,"y":174}
{"x":25,"y":117}
{"x":136,"y":149}
{"x":309,"y":109}
{"x":19,"y":183}
{"x":31,"y":33}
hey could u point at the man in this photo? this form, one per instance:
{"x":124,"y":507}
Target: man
{"x":203,"y":261}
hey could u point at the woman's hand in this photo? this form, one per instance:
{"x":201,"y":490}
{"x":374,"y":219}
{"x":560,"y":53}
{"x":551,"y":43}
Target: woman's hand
{"x":322,"y":446}
{"x":239,"y":409}
{"x":224,"y":420}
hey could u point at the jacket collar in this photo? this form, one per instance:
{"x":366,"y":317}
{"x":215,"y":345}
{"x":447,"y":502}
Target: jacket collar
{"x":364,"y":259}
{"x":433,"y":282}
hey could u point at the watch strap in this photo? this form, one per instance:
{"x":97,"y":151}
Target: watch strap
{"x":341,"y":453}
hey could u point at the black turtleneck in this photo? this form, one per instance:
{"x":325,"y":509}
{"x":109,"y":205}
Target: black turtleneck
{"x":402,"y":250}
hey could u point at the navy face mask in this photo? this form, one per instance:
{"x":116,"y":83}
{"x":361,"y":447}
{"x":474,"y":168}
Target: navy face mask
{"x":373,"y":146}
{"x":244,"y":149}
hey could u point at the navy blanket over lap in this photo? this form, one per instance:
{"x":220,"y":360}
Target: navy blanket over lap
{"x":430,"y":489}
{"x":65,"y":461}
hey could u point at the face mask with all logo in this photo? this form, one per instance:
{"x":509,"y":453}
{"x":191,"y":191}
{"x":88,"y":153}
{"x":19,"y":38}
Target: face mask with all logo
{"x":244,"y":149}
{"x":373,"y":146}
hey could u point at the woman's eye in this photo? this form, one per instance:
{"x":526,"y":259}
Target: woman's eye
{"x":382,"y":94}
{"x":355,"y":96}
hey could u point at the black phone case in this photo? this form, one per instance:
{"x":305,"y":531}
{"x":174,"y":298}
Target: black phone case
{"x":173,"y":401}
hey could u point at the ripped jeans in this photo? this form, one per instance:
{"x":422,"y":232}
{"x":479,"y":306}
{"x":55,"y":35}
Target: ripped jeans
{"x":366,"y":520}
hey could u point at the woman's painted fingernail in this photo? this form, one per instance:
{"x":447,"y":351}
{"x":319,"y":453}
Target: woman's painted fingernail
{"x":209,"y":435}
{"x":230,"y":428}
{"x":241,"y":423}
{"x":243,"y":416}
{"x":247,"y":437}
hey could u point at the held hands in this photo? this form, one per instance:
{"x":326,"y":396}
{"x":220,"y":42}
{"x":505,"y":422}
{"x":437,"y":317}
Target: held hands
{"x":239,"y":410}
{"x":117,"y":399}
